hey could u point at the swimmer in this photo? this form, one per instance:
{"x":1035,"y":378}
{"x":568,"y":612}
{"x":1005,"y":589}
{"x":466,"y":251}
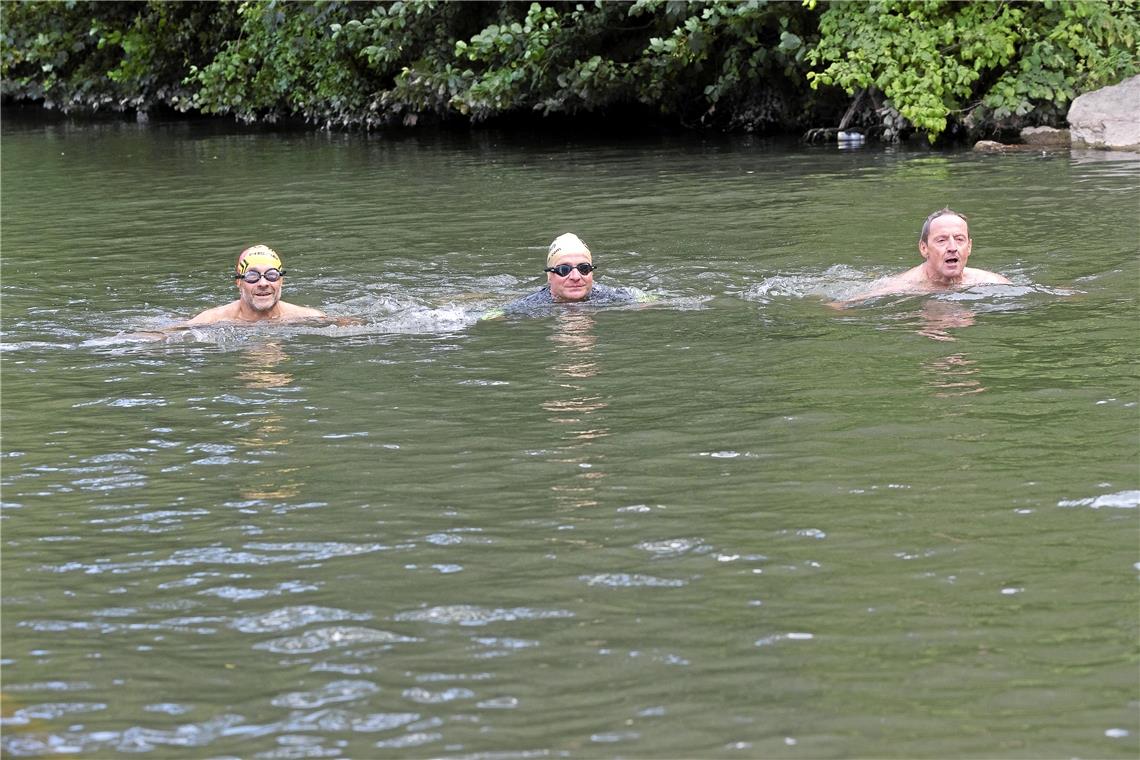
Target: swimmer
{"x":945,"y":247}
{"x":570,"y":279}
{"x":260,"y":275}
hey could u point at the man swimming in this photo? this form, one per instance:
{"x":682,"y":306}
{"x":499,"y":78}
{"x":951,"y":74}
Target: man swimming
{"x":259,"y":274}
{"x":570,"y":279}
{"x":944,"y":244}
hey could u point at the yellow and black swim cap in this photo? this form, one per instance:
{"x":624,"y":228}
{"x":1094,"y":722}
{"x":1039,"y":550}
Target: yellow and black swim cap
{"x":258,"y":255}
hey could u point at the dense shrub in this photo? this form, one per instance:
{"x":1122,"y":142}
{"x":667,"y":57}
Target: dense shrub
{"x":754,"y":65}
{"x":991,"y":61}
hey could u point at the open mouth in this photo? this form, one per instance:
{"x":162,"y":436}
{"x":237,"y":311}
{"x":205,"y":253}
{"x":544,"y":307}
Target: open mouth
{"x":952,"y":260}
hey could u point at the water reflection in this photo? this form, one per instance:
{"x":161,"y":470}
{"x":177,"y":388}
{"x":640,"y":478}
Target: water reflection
{"x":939,"y":316}
{"x":574,"y":406}
{"x":952,"y":375}
{"x":261,"y":371}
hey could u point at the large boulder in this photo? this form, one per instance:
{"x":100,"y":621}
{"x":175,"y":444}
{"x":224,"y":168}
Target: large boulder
{"x":1108,"y":118}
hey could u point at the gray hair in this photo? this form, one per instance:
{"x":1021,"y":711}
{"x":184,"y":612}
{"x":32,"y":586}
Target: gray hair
{"x":941,"y":212}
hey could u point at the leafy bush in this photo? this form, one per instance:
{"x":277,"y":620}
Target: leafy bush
{"x":936,"y":60}
{"x":728,"y":64}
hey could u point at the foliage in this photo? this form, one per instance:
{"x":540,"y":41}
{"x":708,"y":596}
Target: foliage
{"x":104,"y":54}
{"x":566,"y":59}
{"x":732,"y":64}
{"x":936,"y":59}
{"x":284,"y":61}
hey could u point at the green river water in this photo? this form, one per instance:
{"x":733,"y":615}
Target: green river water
{"x":734,"y":522}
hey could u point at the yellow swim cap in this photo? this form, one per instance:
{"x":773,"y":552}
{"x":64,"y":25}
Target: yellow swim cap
{"x":258,"y":255}
{"x":567,"y":242}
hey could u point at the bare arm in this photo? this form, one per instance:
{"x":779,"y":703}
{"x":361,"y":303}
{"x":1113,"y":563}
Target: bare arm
{"x":982,"y":277}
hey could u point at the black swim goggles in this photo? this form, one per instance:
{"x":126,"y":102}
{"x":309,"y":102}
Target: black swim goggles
{"x":253,"y":276}
{"x":563,"y":270}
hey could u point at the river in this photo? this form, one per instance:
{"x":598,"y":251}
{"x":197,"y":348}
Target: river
{"x":731,"y":522}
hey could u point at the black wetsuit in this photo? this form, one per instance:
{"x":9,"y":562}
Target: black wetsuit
{"x":600,"y":295}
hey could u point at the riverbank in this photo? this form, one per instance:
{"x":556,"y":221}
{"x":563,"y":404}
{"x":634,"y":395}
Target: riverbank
{"x":779,"y":69}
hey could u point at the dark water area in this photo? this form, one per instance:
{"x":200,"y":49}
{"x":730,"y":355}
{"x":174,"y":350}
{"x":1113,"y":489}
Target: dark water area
{"x":733,"y":522}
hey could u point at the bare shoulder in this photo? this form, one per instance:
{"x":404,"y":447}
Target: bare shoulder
{"x":292,"y":311}
{"x":982,"y":277}
{"x":225,"y":313}
{"x":906,"y":282}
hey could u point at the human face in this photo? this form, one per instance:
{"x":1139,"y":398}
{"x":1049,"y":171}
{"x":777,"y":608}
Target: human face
{"x":262,"y":296}
{"x":574,"y":286}
{"x":946,"y":249}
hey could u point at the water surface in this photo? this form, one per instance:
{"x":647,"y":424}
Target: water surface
{"x":733,"y":523}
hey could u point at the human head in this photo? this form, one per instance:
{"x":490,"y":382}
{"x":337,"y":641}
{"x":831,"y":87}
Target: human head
{"x":922,"y":236}
{"x":568,"y":248}
{"x":258,"y":255}
{"x":945,"y":245}
{"x":263,"y":295}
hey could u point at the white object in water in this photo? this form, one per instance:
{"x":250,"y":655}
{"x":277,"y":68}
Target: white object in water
{"x":856,"y":137}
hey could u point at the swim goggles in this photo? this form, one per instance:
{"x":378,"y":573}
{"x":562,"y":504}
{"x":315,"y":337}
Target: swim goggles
{"x":253,"y":276}
{"x":562,"y":270}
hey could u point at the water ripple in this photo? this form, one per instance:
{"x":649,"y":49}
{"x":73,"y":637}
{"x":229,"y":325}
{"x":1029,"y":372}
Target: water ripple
{"x":221,"y":555}
{"x":11,"y":688}
{"x":425,"y":697}
{"x":673,"y":547}
{"x":323,"y":639}
{"x":134,"y":739}
{"x":236,"y":594}
{"x":337,"y":691}
{"x":287,"y":618}
{"x":1120,"y":500}
{"x":410,"y":740}
{"x":179,"y":625}
{"x":627,"y":580}
{"x":49,"y":711}
{"x":465,"y":614}
{"x":341,"y":720}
